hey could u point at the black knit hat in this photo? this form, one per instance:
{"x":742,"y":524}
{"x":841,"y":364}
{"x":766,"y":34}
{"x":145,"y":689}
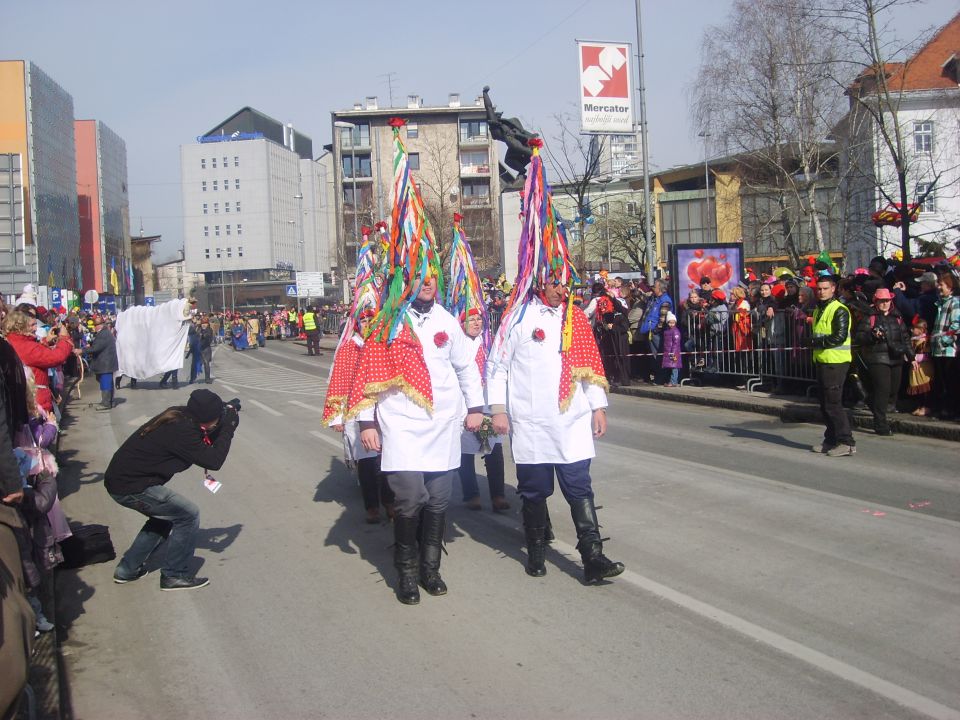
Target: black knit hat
{"x":205,"y":406}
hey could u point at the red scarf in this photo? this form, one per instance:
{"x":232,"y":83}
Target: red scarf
{"x":581,"y":362}
{"x":399,"y":365}
{"x":341,"y":380}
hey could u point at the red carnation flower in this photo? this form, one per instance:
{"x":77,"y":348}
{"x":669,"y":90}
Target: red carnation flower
{"x":535,"y":142}
{"x":364,"y":230}
{"x":440,"y":339}
{"x":538,"y":334}
{"x":396,"y":122}
{"x":457,"y":217}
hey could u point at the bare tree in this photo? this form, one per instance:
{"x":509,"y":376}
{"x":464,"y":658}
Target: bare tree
{"x":439,"y":181}
{"x":877,"y":92}
{"x":619,"y":234}
{"x":575,"y":163}
{"x":765,"y":92}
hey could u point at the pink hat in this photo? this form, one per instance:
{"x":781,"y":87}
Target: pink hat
{"x":882,"y":294}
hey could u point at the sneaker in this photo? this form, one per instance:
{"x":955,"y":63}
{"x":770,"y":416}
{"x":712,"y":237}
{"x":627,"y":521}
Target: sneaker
{"x":183,"y":583}
{"x":123,"y":580}
{"x":842,"y":451}
{"x":822,"y":448}
{"x":43,"y":625}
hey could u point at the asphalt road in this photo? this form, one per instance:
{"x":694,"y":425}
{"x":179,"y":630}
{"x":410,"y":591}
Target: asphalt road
{"x":762,"y":581}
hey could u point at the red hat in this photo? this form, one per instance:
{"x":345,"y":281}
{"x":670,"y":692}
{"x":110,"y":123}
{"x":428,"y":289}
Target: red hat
{"x":41,"y":310}
{"x":718,"y":295}
{"x":882,"y":294}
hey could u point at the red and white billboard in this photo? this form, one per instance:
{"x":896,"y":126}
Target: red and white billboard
{"x":606,"y":97}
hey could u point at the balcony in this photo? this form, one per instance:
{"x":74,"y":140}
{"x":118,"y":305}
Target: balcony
{"x":476,"y":201}
{"x":474,"y":169}
{"x":477,"y":140}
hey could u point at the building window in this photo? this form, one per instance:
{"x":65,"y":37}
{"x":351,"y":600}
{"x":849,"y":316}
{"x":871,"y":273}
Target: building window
{"x":236,"y":206}
{"x":236,"y":161}
{"x":239,"y":229}
{"x":414,"y":159}
{"x":228,"y":229}
{"x":206,"y":254}
{"x":358,"y":136}
{"x":203,"y":163}
{"x":229,"y":252}
{"x":226,"y":184}
{"x":362,"y":166}
{"x":476,"y":161}
{"x":216,"y":208}
{"x":929,"y":204}
{"x":203,"y":185}
{"x":473,"y":130}
{"x":225,"y":162}
{"x":226,"y":207}
{"x":216,"y":231}
{"x":206,"y":231}
{"x":239,"y":249}
{"x":218,"y":253}
{"x":213,"y":163}
{"x":413,"y":130}
{"x":214,"y":185}
{"x":204,"y":208}
{"x":236,"y":184}
{"x":923,"y":137}
{"x":476,"y":192}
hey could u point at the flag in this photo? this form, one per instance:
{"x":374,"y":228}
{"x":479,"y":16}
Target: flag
{"x":130,"y":274}
{"x":51,"y":280}
{"x":114,"y":280}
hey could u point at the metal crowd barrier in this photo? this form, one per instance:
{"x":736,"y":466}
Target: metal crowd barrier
{"x":771,"y":349}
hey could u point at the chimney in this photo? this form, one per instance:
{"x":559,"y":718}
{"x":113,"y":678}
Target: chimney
{"x":371,"y":102}
{"x":291,"y":141}
{"x":357,"y":106}
{"x":479,"y":101}
{"x":414,"y":102}
{"x":454,"y":100}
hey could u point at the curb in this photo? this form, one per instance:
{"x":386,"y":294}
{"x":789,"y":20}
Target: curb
{"x":791,"y":410}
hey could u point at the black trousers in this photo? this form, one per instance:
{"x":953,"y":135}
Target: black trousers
{"x":313,"y":342}
{"x":946,"y":385}
{"x":373,"y":484}
{"x":885,"y":384}
{"x":830,"y":379}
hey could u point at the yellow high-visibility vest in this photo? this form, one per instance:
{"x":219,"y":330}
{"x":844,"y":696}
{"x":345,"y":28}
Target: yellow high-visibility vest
{"x":823,"y":325}
{"x":309,"y":321}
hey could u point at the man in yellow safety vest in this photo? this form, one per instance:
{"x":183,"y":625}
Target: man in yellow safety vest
{"x":292,"y":322}
{"x":831,"y":357}
{"x":311,"y":327}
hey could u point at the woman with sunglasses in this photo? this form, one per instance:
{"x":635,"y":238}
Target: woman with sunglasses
{"x":882,"y":340}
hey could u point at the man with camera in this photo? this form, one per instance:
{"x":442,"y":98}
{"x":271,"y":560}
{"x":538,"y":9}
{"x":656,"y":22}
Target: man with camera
{"x":200,"y":434}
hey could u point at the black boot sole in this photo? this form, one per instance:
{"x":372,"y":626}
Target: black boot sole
{"x":593,"y":578}
{"x":412,"y":600}
{"x":536,"y":572}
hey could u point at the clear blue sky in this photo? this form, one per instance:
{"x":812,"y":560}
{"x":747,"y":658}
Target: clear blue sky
{"x":159,"y":74}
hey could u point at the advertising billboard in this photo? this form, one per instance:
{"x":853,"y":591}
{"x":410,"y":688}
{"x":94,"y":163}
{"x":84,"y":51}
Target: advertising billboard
{"x":606,"y":87}
{"x":721,"y":262}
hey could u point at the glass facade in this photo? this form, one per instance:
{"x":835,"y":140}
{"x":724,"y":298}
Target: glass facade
{"x":53,"y":171}
{"x":765,"y":226}
{"x":114,"y":202}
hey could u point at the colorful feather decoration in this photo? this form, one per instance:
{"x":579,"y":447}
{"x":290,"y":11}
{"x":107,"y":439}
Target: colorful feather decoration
{"x":464,"y":294}
{"x":366,"y":295}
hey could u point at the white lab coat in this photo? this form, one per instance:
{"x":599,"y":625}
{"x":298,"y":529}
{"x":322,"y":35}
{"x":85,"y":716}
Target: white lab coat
{"x":469,"y":442}
{"x":411,"y":438}
{"x":524,"y":375}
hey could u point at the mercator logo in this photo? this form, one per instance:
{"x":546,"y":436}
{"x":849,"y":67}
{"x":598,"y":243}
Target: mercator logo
{"x":604,"y":71}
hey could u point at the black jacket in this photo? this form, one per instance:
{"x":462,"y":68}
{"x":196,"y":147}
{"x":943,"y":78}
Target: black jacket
{"x":103,"y":352}
{"x":839,"y":328}
{"x":882,"y":339}
{"x":143,"y":462}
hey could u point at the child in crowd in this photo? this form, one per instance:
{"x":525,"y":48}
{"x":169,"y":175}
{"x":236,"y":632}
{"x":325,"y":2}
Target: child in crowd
{"x":921,"y":369}
{"x":671,"y":350}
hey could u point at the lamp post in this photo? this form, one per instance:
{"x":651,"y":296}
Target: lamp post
{"x":344,"y":125}
{"x":606,"y":218}
{"x":296,"y":272}
{"x":706,"y":180}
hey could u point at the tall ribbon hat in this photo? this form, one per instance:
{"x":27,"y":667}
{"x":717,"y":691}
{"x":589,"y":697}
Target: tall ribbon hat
{"x":464,"y":293}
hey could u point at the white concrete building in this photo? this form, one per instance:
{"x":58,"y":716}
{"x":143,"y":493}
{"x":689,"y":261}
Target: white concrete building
{"x":926,"y":93}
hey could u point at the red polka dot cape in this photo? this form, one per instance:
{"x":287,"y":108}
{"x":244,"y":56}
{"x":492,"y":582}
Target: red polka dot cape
{"x":397,"y":365}
{"x":581,"y":362}
{"x":342,"y":375}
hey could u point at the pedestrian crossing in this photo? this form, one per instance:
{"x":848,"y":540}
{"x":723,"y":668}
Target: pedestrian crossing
{"x":250,"y":373}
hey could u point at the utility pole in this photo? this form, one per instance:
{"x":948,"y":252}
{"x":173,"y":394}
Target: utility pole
{"x":642,"y":88}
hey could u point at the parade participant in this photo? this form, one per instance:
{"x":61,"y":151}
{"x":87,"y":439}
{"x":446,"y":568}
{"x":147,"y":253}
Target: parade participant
{"x":374,"y":487}
{"x":465,"y":301}
{"x":103,"y":360}
{"x":198,"y":434}
{"x":831,"y":357}
{"x":312,"y":329}
{"x":546,"y":384}
{"x":417,"y":385}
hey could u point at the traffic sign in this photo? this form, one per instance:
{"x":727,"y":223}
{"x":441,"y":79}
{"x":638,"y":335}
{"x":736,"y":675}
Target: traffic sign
{"x":291,"y":290}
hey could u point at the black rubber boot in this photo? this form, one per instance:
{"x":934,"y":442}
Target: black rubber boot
{"x":431,"y":530}
{"x":548,"y":536}
{"x":405,"y":558}
{"x":596,"y":566}
{"x":106,"y":400}
{"x":535,"y":529}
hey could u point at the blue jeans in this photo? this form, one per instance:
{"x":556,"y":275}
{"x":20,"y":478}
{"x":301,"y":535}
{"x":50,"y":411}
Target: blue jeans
{"x":535,"y":482}
{"x":493,"y":462}
{"x":171,"y":517}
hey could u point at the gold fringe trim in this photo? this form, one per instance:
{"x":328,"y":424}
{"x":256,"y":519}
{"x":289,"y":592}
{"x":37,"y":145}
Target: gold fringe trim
{"x":371,"y":390}
{"x":582,"y":374}
{"x":334,"y":406}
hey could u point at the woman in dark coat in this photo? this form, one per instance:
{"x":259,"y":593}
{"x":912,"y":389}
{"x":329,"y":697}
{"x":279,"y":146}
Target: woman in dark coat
{"x":103,"y":360}
{"x":882,"y":340}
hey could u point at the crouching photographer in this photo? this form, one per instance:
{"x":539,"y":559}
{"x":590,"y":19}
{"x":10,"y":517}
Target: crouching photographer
{"x":176,"y":439}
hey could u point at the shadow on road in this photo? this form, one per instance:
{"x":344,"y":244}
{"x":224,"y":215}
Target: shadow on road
{"x":740,"y":432}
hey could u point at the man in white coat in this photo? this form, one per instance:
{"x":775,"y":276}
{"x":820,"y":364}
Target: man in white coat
{"x":552,"y":432}
{"x":420,"y":445}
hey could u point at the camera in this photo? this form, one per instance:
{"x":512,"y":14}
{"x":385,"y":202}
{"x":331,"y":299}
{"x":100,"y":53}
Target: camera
{"x":235,"y":404}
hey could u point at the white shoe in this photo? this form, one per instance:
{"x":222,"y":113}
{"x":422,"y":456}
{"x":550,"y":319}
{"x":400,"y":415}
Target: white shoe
{"x":842,"y":451}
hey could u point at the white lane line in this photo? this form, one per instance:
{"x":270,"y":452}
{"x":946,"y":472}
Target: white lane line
{"x":137,"y":422}
{"x":338,"y":444}
{"x":265,"y":408}
{"x":821,"y":661}
{"x":227,"y":387}
{"x":315,"y":408}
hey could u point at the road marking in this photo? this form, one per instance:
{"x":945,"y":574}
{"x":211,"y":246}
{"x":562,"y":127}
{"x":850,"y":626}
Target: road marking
{"x":137,"y":422}
{"x":900,"y":695}
{"x":265,"y":408}
{"x":304,"y":405}
{"x":338,"y":444}
{"x":227,"y":387}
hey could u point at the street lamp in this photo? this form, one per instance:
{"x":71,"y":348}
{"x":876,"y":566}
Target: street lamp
{"x":344,"y":125}
{"x":603,"y":182}
{"x":300,"y":244}
{"x":706,"y":180}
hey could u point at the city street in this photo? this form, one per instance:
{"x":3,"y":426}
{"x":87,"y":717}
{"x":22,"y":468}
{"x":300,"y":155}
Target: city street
{"x":763,"y":581}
